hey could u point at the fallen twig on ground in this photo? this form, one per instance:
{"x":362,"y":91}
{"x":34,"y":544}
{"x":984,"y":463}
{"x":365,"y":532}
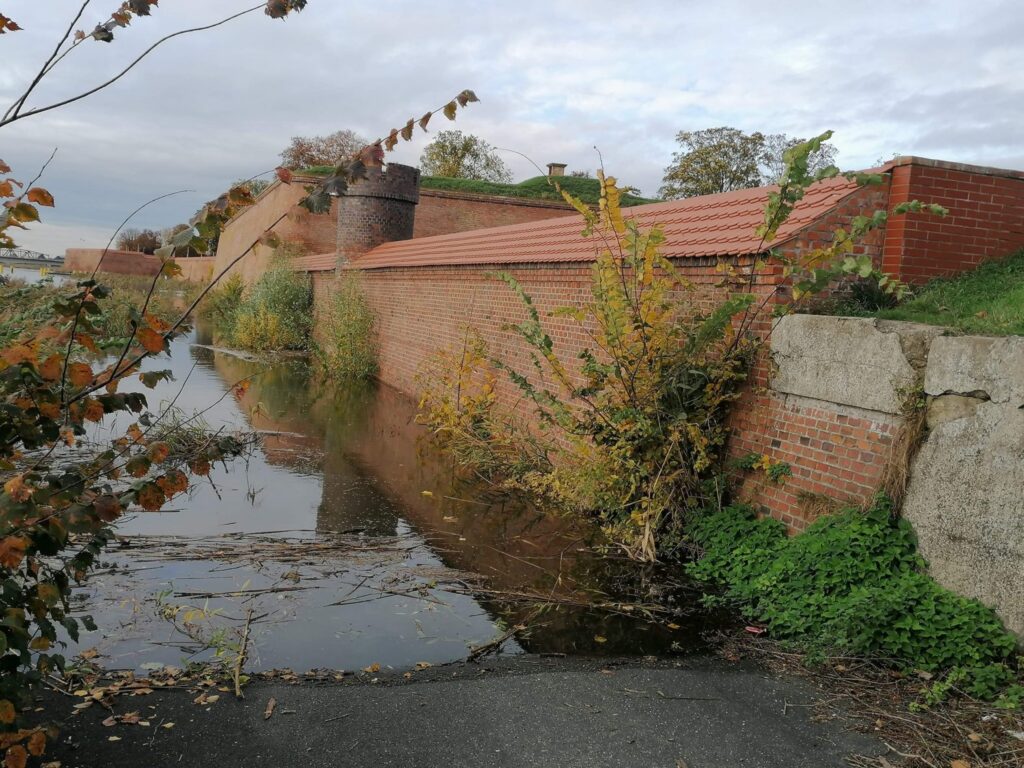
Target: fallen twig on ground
{"x":879,"y":697}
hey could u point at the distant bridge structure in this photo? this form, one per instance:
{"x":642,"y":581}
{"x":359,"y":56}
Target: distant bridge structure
{"x":22,"y":257}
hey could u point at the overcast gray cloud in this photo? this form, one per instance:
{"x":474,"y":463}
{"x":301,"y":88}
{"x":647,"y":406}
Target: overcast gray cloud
{"x":556,"y":79}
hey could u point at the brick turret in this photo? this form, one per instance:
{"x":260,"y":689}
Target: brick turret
{"x":378,"y":209}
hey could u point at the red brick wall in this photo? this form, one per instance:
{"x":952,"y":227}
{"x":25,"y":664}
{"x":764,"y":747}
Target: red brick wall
{"x":197,"y":269}
{"x":443,"y":213}
{"x":834,"y":451}
{"x":378,"y":209}
{"x":84,"y":260}
{"x":314,"y":233}
{"x":831,"y":450}
{"x":420,"y":310}
{"x":985,"y":221}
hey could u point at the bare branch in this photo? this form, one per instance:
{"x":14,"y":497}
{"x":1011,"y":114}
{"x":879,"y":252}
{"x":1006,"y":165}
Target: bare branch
{"x":13,"y":109}
{"x":39,"y":110}
{"x":118,"y":372}
{"x":81,"y":304}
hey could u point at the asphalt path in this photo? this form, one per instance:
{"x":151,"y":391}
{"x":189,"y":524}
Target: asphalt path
{"x":522,"y":711}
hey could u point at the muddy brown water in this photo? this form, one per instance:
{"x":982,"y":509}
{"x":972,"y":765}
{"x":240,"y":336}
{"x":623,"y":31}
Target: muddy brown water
{"x":345,"y":540}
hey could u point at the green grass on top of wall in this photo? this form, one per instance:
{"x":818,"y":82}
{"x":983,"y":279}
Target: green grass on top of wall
{"x":988,"y":301}
{"x":536,"y":188}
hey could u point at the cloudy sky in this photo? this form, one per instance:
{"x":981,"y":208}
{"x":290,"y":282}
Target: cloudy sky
{"x":556,"y":79}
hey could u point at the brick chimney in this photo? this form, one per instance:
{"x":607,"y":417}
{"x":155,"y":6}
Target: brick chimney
{"x":556,"y":169}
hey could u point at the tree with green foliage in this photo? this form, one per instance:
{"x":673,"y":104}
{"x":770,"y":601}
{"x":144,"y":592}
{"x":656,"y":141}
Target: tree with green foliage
{"x":724,"y":159}
{"x":713,"y":160}
{"x":773,"y":156}
{"x":456,"y":155}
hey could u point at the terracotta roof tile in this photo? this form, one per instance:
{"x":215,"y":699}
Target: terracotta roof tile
{"x":320,"y":262}
{"x":712,"y":225}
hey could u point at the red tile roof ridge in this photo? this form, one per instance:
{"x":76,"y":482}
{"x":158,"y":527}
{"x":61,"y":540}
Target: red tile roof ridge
{"x":711,"y":225}
{"x":317,"y":262}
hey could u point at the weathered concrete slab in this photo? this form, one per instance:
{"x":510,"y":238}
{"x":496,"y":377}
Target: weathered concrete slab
{"x":975,"y":364}
{"x":854,"y":361}
{"x":966,"y":501}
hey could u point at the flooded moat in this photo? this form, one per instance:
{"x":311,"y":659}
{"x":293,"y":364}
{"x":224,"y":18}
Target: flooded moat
{"x":344,"y":541}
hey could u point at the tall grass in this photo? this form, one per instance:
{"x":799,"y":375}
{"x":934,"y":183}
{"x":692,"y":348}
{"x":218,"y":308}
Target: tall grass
{"x":221,"y":305}
{"x":346,"y":347}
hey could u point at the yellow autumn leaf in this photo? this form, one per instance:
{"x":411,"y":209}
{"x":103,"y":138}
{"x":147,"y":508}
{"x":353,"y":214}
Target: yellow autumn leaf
{"x":18,"y":489}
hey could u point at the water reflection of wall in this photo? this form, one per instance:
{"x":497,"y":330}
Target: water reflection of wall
{"x":376,"y":469}
{"x":280,"y":403}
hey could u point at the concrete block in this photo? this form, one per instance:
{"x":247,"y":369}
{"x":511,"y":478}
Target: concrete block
{"x":854,"y":361}
{"x":972,"y":365}
{"x":965,"y":503}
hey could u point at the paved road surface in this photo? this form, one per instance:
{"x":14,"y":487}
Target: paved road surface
{"x":517,"y":712}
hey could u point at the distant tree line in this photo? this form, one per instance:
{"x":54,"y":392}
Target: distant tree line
{"x":707,"y":162}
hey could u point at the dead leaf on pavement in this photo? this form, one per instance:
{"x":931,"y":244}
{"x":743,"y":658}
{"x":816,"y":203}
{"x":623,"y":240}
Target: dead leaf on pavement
{"x":270,"y":708}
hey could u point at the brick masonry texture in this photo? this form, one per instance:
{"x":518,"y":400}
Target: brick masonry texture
{"x":379,"y":209}
{"x":374,"y":214}
{"x":835,"y":452}
{"x":84,"y":260}
{"x":985,"y":221}
{"x":197,"y":269}
{"x":441,"y":212}
{"x":312,"y":233}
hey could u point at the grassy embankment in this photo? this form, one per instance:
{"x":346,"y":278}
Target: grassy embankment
{"x":989,"y":301}
{"x":537,"y":188}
